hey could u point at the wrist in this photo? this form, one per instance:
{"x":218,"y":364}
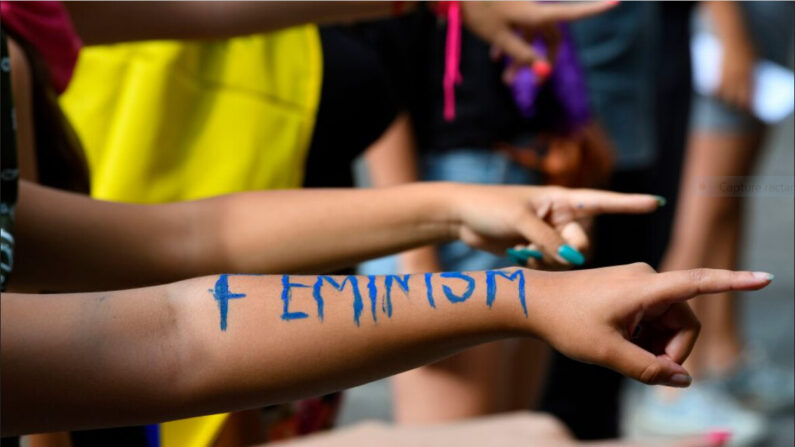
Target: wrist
{"x":519,"y":309}
{"x":437,"y":208}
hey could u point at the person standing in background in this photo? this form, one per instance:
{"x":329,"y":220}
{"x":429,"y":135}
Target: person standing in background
{"x":490,"y":140}
{"x":724,"y":143}
{"x":637,"y":65}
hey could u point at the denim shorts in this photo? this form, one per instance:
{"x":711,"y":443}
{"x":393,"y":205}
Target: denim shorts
{"x":482,"y":166}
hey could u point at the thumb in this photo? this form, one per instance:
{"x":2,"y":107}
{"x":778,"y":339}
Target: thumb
{"x":535,"y":230}
{"x":633,"y":361}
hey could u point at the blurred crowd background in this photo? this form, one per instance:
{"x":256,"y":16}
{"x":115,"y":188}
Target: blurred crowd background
{"x":689,"y":101}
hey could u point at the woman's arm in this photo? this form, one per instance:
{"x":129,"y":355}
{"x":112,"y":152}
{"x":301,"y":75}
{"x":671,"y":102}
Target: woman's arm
{"x":111,"y":22}
{"x":392,"y":160}
{"x":69,"y":242}
{"x":230,"y":342}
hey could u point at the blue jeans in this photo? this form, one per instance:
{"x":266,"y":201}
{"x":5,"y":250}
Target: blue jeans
{"x":482,"y":166}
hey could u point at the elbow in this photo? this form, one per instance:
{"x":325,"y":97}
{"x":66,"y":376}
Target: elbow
{"x":182,"y":357}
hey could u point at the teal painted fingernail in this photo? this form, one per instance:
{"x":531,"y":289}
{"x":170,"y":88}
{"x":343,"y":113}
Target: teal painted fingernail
{"x":764,"y":275}
{"x":535,"y":254}
{"x":517,"y":257}
{"x":571,"y":255}
{"x":522,"y":255}
{"x":661,"y":201}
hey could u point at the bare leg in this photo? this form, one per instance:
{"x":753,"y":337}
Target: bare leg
{"x":495,"y":377}
{"x":707,"y":233}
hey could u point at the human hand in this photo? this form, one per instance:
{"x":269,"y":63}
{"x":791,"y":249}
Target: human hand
{"x":628,"y":318}
{"x":494,"y":218}
{"x":506,"y":24}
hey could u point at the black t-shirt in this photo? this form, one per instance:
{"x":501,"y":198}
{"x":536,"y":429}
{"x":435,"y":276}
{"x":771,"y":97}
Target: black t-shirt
{"x":412,"y":49}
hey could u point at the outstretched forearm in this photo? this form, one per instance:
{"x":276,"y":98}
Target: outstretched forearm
{"x":321,"y":230}
{"x":69,"y":242}
{"x":229,"y":342}
{"x":100,"y":22}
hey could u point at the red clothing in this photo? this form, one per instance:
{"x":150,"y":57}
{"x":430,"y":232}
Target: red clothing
{"x":47,"y":26}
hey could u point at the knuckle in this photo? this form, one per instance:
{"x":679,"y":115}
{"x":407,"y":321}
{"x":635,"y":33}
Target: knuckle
{"x":603,"y":353}
{"x":697,"y":275}
{"x":696,"y":327}
{"x":547,"y":424}
{"x":651,"y":374}
{"x":642,"y":267}
{"x":519,"y":215}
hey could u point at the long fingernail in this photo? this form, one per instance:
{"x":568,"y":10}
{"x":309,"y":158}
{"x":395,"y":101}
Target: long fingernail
{"x":535,"y":254}
{"x":718,"y":437}
{"x":522,"y":255}
{"x":571,"y":255}
{"x":680,"y":380}
{"x":764,"y":275}
{"x":661,"y":201}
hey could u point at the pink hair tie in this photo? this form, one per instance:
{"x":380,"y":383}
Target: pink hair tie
{"x":452,"y":55}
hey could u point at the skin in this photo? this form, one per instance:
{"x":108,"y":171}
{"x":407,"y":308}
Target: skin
{"x":736,"y":86}
{"x":478,"y":237}
{"x":392,"y":160}
{"x":708,"y":228}
{"x":512,"y":429}
{"x":160,"y":353}
{"x":134,"y":245}
{"x":707,"y":231}
{"x":157,"y":243}
{"x":460,"y":386}
{"x":100,"y":23}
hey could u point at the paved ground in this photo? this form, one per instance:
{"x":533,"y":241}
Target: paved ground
{"x":768,"y":315}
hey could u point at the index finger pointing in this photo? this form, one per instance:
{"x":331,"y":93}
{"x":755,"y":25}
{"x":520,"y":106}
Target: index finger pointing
{"x":670,"y":287}
{"x":556,"y":12}
{"x":592,"y":202}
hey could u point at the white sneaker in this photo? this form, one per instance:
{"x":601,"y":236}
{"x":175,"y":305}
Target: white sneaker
{"x":759,"y":383}
{"x":694,"y":411}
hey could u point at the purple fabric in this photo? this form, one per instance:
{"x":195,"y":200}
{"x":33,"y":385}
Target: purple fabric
{"x":566,"y":85}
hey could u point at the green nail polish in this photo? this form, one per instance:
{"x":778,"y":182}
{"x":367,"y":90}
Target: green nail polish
{"x":517,"y":257}
{"x":571,"y":255}
{"x":535,"y":254}
{"x":764,"y":275}
{"x":661,"y":201}
{"x":522,"y":255}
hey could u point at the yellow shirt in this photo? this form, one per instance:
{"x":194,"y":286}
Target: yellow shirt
{"x":166,"y":121}
{"x":170,"y":120}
